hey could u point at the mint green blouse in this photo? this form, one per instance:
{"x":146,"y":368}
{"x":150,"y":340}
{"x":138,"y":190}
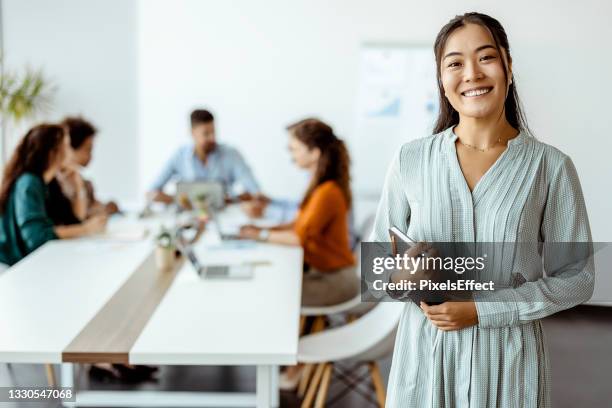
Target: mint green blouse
{"x":25,"y":224}
{"x":531,"y":194}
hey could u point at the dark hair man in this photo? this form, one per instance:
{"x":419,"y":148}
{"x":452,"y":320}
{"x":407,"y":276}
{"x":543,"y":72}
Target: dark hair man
{"x":205,"y":160}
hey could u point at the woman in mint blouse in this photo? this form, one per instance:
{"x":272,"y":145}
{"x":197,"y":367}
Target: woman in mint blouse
{"x":25,"y":224}
{"x":483,"y":178}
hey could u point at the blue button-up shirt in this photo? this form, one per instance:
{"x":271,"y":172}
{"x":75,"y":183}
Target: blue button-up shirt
{"x":224,"y":165}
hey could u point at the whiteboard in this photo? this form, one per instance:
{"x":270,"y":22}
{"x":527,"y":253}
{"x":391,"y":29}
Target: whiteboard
{"x":397,"y":102}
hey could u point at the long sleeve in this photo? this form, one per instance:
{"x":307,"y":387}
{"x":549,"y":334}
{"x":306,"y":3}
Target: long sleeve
{"x":393,"y":208}
{"x":241,"y":173}
{"x":324,"y":205}
{"x":322,"y":228}
{"x":281,"y":210}
{"x":169,"y":170}
{"x":567,"y":282}
{"x":34,"y":224}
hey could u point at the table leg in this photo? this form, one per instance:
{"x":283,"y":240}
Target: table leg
{"x":67,"y":380}
{"x":274,"y":390}
{"x":263,"y":387}
{"x":50,"y":371}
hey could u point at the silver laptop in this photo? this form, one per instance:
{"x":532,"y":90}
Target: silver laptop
{"x":244,"y":271}
{"x":210,"y":192}
{"x":223,"y":234}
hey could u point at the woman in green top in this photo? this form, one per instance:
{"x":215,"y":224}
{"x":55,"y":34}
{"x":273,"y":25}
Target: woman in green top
{"x":25,"y":224}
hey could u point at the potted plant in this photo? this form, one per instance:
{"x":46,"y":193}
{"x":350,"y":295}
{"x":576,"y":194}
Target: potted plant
{"x":165,"y":249}
{"x":22,"y":96}
{"x":202,"y":205}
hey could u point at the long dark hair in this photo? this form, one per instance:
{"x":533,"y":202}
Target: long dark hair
{"x":448,"y":116}
{"x":334,"y":161}
{"x":79,"y":130}
{"x":33,"y":154}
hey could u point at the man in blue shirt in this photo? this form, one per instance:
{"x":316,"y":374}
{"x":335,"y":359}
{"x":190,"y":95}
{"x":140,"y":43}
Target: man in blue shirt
{"x":205,"y":160}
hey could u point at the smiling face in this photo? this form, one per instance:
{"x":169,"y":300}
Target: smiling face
{"x":472,"y":73}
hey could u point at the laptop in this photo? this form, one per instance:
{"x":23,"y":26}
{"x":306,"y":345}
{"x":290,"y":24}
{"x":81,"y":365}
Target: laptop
{"x":243,"y":271}
{"x":223,"y":235}
{"x":210,"y":192}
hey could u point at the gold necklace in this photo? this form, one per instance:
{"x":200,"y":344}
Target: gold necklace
{"x":498,"y":141}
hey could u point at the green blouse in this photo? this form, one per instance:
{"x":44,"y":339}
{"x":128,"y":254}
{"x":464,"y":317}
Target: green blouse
{"x":25,"y":224}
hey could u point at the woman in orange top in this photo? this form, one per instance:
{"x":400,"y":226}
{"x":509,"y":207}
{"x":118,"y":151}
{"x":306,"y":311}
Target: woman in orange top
{"x":321,"y":226}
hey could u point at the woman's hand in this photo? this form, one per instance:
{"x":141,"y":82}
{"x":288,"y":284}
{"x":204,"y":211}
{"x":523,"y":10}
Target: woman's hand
{"x":451,"y":315}
{"x":111,"y":208}
{"x":71,"y":181}
{"x":73,"y":186}
{"x":73,"y":175}
{"x":249,"y":232}
{"x":95,"y":224}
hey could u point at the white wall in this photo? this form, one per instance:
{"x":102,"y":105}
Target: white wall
{"x":260,"y":65}
{"x":137,"y":68}
{"x":88,"y":49}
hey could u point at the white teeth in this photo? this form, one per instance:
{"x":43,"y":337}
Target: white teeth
{"x":476,"y":92}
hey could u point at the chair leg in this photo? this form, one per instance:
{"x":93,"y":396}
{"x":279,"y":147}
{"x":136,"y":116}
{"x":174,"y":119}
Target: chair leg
{"x":322,"y":394}
{"x":318,"y":324}
{"x":312,"y":388}
{"x":50,"y":375}
{"x":303,"y":385}
{"x":302,"y":324}
{"x":378,"y":383}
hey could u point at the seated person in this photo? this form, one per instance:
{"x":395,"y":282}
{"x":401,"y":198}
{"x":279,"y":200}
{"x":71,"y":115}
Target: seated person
{"x":25,"y":224}
{"x":60,"y":208}
{"x":321,"y":225}
{"x":258,"y":206}
{"x":69,"y":182}
{"x":205,"y":160}
{"x":284,"y":210}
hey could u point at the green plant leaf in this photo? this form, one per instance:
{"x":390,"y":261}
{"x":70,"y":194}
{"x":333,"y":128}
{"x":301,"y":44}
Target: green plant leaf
{"x":25,"y":95}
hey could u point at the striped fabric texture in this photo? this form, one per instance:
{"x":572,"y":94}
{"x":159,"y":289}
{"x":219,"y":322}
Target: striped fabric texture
{"x":530,"y":194}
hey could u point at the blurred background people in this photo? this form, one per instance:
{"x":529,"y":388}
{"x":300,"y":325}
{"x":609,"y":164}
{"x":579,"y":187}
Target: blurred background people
{"x":72,"y":198}
{"x":206,"y":160}
{"x":25,"y":223}
{"x":321,"y":226}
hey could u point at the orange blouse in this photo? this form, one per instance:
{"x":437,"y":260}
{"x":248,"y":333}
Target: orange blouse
{"x":322,"y":226}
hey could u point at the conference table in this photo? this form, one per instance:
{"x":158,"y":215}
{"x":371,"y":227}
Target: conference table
{"x":104,"y":300}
